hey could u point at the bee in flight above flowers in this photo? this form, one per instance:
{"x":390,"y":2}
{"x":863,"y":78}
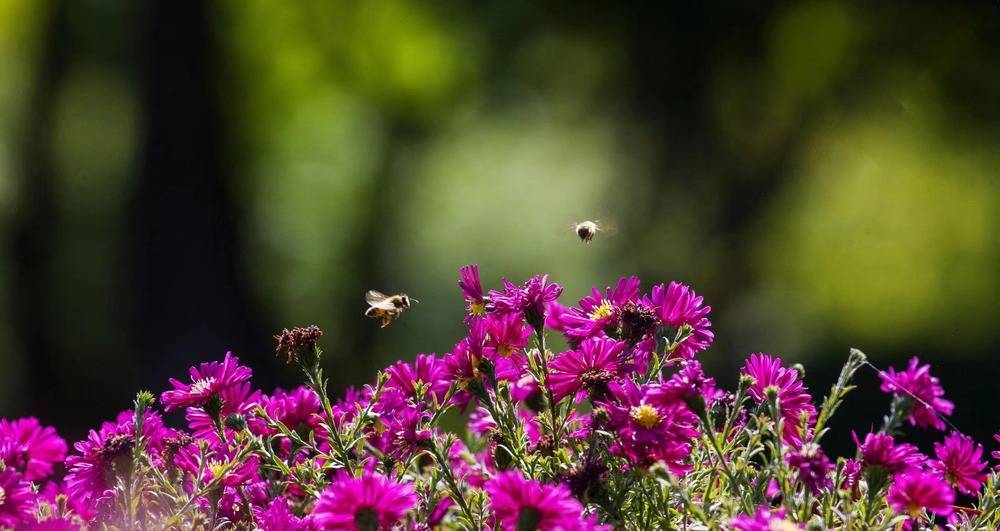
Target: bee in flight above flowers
{"x":386,"y":307}
{"x":587,"y":230}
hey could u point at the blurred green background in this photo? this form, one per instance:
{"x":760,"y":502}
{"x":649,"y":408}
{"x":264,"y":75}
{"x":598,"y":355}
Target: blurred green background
{"x":181,"y":178}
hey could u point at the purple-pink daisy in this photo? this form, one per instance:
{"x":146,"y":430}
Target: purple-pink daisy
{"x":677,"y":305}
{"x":371,"y":501}
{"x":591,"y":366}
{"x":207,"y":381}
{"x":914,"y":492}
{"x":925,"y":391}
{"x":960,"y":461}
{"x":518,"y":503}
{"x":793,"y":396}
{"x":29,"y":447}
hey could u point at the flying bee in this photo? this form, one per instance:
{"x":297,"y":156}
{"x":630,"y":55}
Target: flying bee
{"x":386,"y":307}
{"x":587,"y":230}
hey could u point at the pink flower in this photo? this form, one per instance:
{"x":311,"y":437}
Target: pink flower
{"x":472,"y":291}
{"x":519,"y":504}
{"x":240,"y":399}
{"x":30,"y":448}
{"x":650,"y":429}
{"x":852,"y":472}
{"x":678,"y":305}
{"x":961,"y":462}
{"x":924,"y":390}
{"x":298,"y":409}
{"x":793,"y":396}
{"x":278,"y":517}
{"x":106,"y":454}
{"x":17,"y":500}
{"x":406,"y":431}
{"x":913,"y":492}
{"x":530,"y":299}
{"x":506,"y":335}
{"x":764,"y":520}
{"x":598,"y":312}
{"x":813,"y":467}
{"x":879,"y":449}
{"x":996,"y":453}
{"x":427,"y":370}
{"x":371,"y":501}
{"x":207,"y":381}
{"x":188,"y":459}
{"x":591,"y":366}
{"x":689,"y":383}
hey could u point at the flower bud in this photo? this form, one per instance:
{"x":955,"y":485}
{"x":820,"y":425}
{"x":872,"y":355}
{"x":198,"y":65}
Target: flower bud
{"x":236,"y":422}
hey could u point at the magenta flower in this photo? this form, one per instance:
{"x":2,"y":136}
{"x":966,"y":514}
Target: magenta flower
{"x":218,"y":462}
{"x":924,"y":390}
{"x":17,"y":500}
{"x":345,"y":408}
{"x":520,"y":504}
{"x":812,"y":467}
{"x":530,"y":299}
{"x":406,"y":432}
{"x":371,"y":501}
{"x":793,"y":396}
{"x":427,"y":370}
{"x":107,"y":453}
{"x":687,"y":384}
{"x":598,"y":312}
{"x":472,"y":291}
{"x":879,"y":449}
{"x":996,"y":453}
{"x":30,"y":448}
{"x":298,"y":409}
{"x":506,"y":335}
{"x":678,"y":305}
{"x":852,"y":473}
{"x":591,"y":366}
{"x":763,"y":520}
{"x":238,"y":398}
{"x":913,"y":492}
{"x":279,"y":517}
{"x":466,"y":466}
{"x":649,"y":429}
{"x":961,"y":462}
{"x":207,"y":381}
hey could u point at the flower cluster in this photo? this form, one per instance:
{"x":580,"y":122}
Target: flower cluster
{"x":621,"y":429}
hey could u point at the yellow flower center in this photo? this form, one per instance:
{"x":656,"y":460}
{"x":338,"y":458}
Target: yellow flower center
{"x":477,"y":308}
{"x":202,"y":385}
{"x":783,"y":525}
{"x":602,"y":311}
{"x":645,"y":415}
{"x":505,"y":350}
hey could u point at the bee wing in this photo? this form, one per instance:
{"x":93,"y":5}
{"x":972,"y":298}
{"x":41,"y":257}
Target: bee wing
{"x":607,"y":227}
{"x":386,"y":305}
{"x":374,"y":297}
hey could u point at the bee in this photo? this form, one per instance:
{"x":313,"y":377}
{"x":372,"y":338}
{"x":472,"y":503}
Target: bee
{"x":386,"y":307}
{"x":587,"y":230}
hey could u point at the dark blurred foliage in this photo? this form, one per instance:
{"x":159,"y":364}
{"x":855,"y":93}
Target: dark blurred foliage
{"x":180,"y":178}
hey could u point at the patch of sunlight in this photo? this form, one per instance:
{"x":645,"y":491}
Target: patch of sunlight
{"x":888,"y":231}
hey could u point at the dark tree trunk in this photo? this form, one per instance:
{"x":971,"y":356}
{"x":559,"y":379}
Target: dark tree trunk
{"x":189,"y":297}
